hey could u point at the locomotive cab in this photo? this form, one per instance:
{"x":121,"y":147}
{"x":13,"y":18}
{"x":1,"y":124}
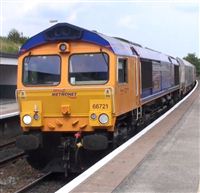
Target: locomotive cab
{"x":68,"y":85}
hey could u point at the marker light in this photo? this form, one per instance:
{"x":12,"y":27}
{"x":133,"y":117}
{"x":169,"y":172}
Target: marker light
{"x":27,"y":119}
{"x":36,"y":116}
{"x":103,"y":118}
{"x":93,"y":116}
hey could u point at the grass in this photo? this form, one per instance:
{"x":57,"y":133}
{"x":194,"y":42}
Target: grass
{"x":8,"y":46}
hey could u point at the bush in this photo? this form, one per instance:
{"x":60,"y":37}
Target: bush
{"x":193,"y":59}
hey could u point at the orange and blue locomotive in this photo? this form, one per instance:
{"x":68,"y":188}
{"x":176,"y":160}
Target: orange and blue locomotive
{"x":81,"y":91}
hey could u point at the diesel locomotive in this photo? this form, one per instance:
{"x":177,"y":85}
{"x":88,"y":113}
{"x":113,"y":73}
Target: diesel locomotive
{"x":81,"y":91}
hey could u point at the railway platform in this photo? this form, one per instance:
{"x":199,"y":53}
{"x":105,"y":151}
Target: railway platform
{"x":173,"y":165}
{"x":166,"y":158}
{"x":8,"y":108}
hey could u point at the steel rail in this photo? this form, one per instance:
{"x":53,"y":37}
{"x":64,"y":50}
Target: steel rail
{"x":12,"y":142}
{"x":11,"y":158}
{"x":34,"y":183}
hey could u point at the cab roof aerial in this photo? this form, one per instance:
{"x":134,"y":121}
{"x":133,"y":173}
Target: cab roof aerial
{"x":68,"y":32}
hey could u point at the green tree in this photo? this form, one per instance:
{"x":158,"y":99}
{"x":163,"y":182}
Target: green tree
{"x":16,"y":37}
{"x":193,"y":59}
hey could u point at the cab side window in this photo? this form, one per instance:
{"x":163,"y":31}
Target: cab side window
{"x":122,"y":70}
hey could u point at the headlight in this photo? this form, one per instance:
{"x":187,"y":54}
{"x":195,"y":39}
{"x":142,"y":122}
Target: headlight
{"x":62,"y":47}
{"x":103,"y":118}
{"x":27,"y":119}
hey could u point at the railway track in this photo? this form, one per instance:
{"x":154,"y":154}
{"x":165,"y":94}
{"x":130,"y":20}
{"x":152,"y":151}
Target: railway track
{"x":35,"y":183}
{"x":10,"y":143}
{"x":11,"y":158}
{"x":13,"y":155}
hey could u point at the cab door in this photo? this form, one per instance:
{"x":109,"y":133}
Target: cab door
{"x":126,"y":95}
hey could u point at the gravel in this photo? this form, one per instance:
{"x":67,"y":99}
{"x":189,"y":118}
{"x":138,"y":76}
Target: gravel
{"x":16,"y":175}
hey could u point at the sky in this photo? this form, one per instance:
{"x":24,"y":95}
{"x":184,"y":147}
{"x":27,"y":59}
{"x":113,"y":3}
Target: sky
{"x":169,"y":26}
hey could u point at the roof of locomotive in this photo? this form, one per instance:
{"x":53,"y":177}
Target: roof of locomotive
{"x":68,"y":32}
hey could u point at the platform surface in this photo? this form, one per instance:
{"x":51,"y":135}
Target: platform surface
{"x":8,"y":108}
{"x":173,"y":165}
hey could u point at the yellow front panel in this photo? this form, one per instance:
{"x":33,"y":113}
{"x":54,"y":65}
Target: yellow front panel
{"x":64,"y":109}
